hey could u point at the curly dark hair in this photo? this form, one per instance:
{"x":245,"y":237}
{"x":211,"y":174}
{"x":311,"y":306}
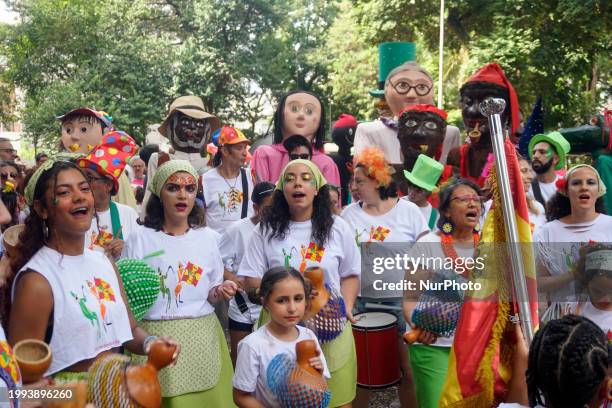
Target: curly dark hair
{"x":276,"y":217}
{"x":568,"y":360}
{"x":155,"y":215}
{"x":319,"y":137}
{"x":559,"y":206}
{"x":446,"y":195}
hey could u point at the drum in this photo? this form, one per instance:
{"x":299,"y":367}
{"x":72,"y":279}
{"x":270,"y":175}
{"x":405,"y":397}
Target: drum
{"x":375,"y":336}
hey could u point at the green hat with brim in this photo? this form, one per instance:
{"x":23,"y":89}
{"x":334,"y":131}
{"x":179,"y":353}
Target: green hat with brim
{"x":425,"y":173}
{"x":557,"y":141}
{"x":391,"y":55}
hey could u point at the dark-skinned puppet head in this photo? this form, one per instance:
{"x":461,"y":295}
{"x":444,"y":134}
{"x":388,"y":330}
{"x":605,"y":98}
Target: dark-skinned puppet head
{"x":343,"y":133}
{"x":488,"y":81}
{"x":421,"y":130}
{"x":82,"y":129}
{"x":188,"y":126}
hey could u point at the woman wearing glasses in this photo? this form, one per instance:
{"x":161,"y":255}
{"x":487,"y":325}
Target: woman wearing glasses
{"x":458,"y":236}
{"x":406,"y":85}
{"x":298,"y":113}
{"x":298,"y":147}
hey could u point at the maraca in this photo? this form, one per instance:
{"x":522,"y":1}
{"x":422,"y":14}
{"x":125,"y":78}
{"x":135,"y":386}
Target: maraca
{"x":316,"y":276}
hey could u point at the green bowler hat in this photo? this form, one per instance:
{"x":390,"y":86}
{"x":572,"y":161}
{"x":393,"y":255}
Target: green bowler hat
{"x":425,"y":173}
{"x":557,"y":141}
{"x":391,"y":55}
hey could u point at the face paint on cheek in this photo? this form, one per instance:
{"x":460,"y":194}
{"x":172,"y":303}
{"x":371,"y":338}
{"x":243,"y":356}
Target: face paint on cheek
{"x":549,"y":153}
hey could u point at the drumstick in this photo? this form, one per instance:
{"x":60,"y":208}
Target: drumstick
{"x":412,"y":336}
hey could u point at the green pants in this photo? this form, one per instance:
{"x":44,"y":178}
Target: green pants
{"x":429,"y":365}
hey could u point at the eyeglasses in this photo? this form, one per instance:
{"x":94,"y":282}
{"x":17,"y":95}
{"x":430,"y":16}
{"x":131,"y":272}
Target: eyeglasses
{"x":403,"y":87}
{"x":92,"y":179}
{"x":465,"y":199}
{"x":5,"y":176}
{"x":303,"y":156}
{"x":8,"y":150}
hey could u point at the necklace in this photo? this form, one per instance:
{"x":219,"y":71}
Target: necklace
{"x":172,"y":234}
{"x":232,"y":188}
{"x":449,"y":248}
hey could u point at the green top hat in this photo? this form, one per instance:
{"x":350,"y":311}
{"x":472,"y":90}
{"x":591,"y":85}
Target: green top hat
{"x":557,"y":141}
{"x":391,"y":55}
{"x":425,"y":173}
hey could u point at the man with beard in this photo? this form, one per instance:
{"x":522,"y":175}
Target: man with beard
{"x":188,"y":127}
{"x":421,"y":130}
{"x":547,"y":153}
{"x":475,"y":158}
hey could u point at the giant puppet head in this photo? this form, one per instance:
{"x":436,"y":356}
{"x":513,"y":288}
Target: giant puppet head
{"x":188,"y":126}
{"x":406,"y":85}
{"x":343,"y":133}
{"x":82,"y":129}
{"x":300,"y":113}
{"x":488,"y":81}
{"x":421,"y":130}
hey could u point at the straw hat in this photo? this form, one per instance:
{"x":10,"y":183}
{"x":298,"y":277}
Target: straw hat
{"x":191,"y":106}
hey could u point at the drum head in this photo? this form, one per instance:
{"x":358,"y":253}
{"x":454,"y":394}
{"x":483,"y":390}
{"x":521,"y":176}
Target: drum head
{"x":374,"y":320}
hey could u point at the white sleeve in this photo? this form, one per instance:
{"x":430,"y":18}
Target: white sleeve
{"x":216,"y":274}
{"x":226,"y":248}
{"x":130,"y":245}
{"x":420,"y":223}
{"x":247,"y":368}
{"x":254,"y":263}
{"x":350,"y":265}
{"x":362,"y":140}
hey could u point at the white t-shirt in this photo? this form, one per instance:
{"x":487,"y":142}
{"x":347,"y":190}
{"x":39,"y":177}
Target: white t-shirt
{"x":547,"y":189}
{"x":89,"y":315}
{"x":339,"y":256}
{"x":234,"y":242}
{"x":190,"y":266}
{"x":223,"y":198}
{"x":403,"y":224}
{"x":430,"y":246}
{"x":559,"y":243}
{"x":254,"y":355}
{"x":601,"y":318}
{"x":95,"y":238}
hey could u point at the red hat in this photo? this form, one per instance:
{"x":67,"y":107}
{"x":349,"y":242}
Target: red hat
{"x":493,"y":74}
{"x":345,"y":120}
{"x":425,"y":108}
{"x":110,"y":156}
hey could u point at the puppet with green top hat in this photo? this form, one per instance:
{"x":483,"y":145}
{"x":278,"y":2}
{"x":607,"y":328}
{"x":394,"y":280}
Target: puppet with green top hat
{"x":422,"y":181}
{"x":402,"y":83}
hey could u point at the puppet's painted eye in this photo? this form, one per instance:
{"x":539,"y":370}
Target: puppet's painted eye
{"x":410,"y":123}
{"x":431,"y":125}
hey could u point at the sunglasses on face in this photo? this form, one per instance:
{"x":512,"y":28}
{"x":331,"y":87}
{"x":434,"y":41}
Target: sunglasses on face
{"x":303,"y":156}
{"x":5,"y":176}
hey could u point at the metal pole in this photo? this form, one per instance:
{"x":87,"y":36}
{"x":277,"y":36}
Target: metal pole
{"x":441,"y":52}
{"x":492,"y":109}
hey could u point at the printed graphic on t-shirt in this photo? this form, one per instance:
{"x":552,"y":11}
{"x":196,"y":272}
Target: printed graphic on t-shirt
{"x":100,"y":239}
{"x":312,"y":252}
{"x":378,"y":234}
{"x":101,"y":292}
{"x":8,"y":364}
{"x":187,"y":274}
{"x":231,"y":200}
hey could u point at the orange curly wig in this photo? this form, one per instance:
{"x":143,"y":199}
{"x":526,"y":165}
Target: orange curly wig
{"x":373,"y":162}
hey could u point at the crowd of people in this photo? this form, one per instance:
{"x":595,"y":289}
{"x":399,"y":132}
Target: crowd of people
{"x":223,"y":224}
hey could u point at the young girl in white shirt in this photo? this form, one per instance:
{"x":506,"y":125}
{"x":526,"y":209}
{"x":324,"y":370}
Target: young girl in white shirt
{"x":191,"y":280}
{"x":284,"y":295}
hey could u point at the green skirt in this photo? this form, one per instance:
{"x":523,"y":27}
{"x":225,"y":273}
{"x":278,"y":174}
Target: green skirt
{"x":429,"y":365}
{"x":219,"y":395}
{"x":343,"y":381}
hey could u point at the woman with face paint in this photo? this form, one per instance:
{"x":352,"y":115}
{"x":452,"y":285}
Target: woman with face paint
{"x":60,"y":289}
{"x":576,"y":215}
{"x":191,"y":279}
{"x":298,"y":113}
{"x":298,"y":230}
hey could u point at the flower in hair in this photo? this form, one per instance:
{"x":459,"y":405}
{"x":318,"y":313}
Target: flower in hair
{"x":561,"y":184}
{"x":372,"y":160}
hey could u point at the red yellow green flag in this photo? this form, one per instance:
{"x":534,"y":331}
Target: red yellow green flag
{"x":380,"y":234}
{"x":105,"y":292}
{"x":480,"y":360}
{"x":192,"y":274}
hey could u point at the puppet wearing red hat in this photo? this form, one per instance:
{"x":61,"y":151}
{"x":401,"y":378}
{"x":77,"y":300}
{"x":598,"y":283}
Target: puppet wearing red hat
{"x":475,"y":159}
